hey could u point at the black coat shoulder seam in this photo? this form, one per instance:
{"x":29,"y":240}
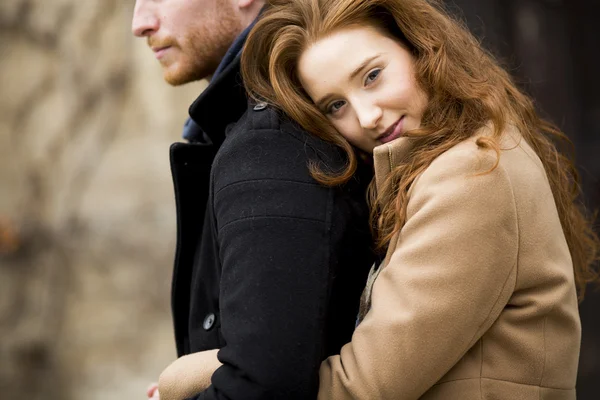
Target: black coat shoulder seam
{"x":243,"y":181}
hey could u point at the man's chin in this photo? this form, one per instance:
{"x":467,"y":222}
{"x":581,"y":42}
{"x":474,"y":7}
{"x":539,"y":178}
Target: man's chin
{"x":180,"y":76}
{"x":175,"y":79}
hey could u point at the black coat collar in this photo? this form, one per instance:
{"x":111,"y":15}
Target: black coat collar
{"x":223,"y":102}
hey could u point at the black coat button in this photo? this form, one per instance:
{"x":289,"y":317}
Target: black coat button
{"x":209,"y":321}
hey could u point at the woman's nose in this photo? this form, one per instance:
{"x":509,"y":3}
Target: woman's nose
{"x":369,"y":116}
{"x":144,"y":21}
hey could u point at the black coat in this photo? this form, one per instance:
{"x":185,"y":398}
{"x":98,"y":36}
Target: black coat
{"x":270,"y":264}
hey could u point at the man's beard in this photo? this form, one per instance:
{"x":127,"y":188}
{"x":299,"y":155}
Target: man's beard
{"x":204,"y":48}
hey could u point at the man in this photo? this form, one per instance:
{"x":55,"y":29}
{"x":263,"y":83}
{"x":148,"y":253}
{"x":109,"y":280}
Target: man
{"x":269,"y":264}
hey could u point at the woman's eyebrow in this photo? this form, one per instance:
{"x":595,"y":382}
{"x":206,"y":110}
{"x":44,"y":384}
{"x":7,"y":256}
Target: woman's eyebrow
{"x":362,"y":66}
{"x":353,"y":75}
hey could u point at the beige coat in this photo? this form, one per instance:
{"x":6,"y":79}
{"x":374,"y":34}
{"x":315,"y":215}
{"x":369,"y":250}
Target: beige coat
{"x":476,"y":297}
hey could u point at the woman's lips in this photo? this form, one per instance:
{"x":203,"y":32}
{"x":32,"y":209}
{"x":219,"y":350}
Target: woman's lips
{"x":395,"y":132}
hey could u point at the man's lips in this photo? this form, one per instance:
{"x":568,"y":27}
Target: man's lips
{"x":159,"y":52}
{"x":392,"y":132}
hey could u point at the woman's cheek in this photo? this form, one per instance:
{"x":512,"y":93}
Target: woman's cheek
{"x":402,"y":96}
{"x":347,"y":130}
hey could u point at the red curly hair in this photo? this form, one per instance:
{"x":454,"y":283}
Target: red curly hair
{"x":466,"y":88}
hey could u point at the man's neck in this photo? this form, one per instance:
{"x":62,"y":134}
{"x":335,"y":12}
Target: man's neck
{"x":234,"y":50}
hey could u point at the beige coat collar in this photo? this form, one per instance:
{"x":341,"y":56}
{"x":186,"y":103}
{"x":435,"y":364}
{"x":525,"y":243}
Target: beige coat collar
{"x":389,"y":155}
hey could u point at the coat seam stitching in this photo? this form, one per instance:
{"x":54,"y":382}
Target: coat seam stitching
{"x":317,"y":220}
{"x":265,"y":180}
{"x":514,"y":267}
{"x":481,"y":370}
{"x":501,"y":380}
{"x":545,"y":353}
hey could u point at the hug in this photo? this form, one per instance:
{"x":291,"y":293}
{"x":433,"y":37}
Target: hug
{"x":387,"y":217}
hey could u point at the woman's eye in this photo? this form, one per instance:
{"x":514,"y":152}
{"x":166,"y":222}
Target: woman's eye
{"x":335,"y":106}
{"x":372,"y":76}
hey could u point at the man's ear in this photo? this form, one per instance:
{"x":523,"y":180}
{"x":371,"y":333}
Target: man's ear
{"x":245,"y":3}
{"x":249,"y":9}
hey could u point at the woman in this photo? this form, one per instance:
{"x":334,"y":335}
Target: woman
{"x":475,"y":210}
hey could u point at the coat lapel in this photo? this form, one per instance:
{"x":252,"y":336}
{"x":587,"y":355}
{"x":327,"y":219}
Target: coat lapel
{"x":385,"y":158}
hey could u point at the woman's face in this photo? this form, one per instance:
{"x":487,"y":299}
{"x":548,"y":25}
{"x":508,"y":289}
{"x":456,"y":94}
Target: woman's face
{"x":364,"y":82}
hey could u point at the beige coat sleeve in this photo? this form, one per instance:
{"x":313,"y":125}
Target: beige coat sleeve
{"x":188,"y":375}
{"x":451,"y":273}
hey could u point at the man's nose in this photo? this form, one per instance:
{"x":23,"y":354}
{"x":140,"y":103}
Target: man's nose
{"x":144,"y":21}
{"x":369,"y":116}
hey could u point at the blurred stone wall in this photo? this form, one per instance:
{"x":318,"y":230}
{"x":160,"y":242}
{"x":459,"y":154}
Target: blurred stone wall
{"x":87,"y":217}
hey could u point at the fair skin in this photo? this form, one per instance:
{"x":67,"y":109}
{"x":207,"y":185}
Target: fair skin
{"x":152,"y":392}
{"x":375,"y":105}
{"x":190,"y":37}
{"x":364,"y":82}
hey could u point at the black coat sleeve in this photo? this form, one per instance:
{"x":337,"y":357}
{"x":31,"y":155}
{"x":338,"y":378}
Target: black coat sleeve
{"x":273,"y":224}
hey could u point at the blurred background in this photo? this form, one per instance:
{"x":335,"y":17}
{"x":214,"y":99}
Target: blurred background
{"x":87,"y":216}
